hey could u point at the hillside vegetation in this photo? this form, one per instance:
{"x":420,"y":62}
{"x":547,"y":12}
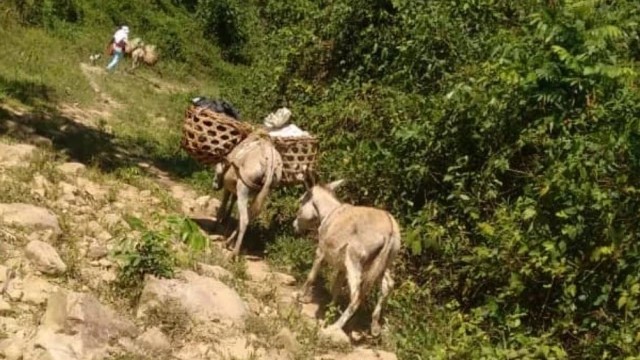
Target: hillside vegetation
{"x":505,"y":135}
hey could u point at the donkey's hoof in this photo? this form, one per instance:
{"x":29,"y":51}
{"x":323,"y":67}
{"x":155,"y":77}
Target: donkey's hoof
{"x":376,"y":330}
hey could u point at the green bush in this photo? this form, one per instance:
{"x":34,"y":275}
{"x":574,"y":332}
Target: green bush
{"x":504,"y":135}
{"x":151,"y":254}
{"x":48,"y":12}
{"x":224,"y":21}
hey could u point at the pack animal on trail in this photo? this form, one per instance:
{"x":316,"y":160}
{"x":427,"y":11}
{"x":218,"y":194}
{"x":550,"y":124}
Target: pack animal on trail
{"x":252,"y":168}
{"x":359,"y":242}
{"x":141,"y":53}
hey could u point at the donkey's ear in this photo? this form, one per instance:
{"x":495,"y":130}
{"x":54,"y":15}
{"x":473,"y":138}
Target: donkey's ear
{"x":335,"y":184}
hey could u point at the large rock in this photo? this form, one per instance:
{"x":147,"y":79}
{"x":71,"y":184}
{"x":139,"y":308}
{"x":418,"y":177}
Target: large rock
{"x":28,"y":216}
{"x":204,"y":299}
{"x":16,"y":154}
{"x":76,"y":326}
{"x":36,"y":291}
{"x":45,"y":258}
{"x":50,"y":345}
{"x":214,"y":271}
{"x":202,"y":207}
{"x":260,"y":272}
{"x":207,"y":205}
{"x":13,"y":347}
{"x":78,"y":313}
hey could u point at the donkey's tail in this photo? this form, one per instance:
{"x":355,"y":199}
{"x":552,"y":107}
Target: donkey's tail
{"x":384,"y":258}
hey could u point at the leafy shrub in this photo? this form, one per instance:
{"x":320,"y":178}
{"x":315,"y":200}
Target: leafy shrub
{"x":504,"y":135}
{"x":189,"y":233}
{"x":225,"y":22}
{"x":150,"y":254}
{"x":47,"y":12}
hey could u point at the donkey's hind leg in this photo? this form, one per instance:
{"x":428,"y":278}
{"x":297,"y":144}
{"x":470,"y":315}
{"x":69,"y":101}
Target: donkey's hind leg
{"x":243,"y":193}
{"x":386,"y":285}
{"x":353,"y":266}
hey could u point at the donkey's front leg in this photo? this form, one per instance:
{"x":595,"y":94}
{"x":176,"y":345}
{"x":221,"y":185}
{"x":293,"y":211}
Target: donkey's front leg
{"x":305,"y":295}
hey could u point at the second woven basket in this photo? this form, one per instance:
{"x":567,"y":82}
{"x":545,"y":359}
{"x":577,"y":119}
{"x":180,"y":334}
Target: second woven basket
{"x":208,"y":136}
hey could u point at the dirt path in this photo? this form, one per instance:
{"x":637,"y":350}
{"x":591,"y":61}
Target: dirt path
{"x":271,"y":292}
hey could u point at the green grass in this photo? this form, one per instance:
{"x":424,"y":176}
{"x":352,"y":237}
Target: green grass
{"x":43,"y":72}
{"x":292,"y":254}
{"x":38,"y":69}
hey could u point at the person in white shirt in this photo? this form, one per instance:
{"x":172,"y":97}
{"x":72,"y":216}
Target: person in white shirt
{"x":120,"y":39}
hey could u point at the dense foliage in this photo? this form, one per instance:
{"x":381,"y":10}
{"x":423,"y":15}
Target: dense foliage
{"x":505,"y":135}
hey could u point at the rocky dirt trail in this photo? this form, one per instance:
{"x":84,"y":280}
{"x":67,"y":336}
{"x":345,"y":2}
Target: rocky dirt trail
{"x":60,"y":226}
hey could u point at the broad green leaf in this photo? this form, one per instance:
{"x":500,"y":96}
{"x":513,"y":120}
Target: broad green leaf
{"x":528,"y":213}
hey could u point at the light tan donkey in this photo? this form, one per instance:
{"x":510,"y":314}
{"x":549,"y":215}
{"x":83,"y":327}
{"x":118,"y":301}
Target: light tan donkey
{"x":358,"y":241}
{"x":252,"y":169}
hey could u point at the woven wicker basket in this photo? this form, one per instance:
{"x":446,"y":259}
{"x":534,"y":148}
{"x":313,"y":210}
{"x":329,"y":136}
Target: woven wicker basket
{"x":296,"y":152}
{"x":208,"y":136}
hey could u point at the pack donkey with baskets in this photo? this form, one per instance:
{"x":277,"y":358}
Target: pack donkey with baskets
{"x":248,"y":162}
{"x":251,"y":170}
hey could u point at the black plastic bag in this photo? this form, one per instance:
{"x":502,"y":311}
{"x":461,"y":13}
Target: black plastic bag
{"x":220,"y":106}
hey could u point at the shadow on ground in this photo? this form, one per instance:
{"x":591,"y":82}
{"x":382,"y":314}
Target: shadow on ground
{"x":91,"y":145}
{"x":79,"y":142}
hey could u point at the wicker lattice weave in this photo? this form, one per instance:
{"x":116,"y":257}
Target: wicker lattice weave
{"x":296,"y":152}
{"x":208,"y":136}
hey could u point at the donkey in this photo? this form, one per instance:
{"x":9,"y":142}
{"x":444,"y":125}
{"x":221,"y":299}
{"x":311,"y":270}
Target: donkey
{"x":359,"y":241}
{"x":252,"y":168}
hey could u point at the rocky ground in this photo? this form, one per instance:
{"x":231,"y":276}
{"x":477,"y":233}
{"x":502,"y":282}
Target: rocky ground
{"x":61,"y":224}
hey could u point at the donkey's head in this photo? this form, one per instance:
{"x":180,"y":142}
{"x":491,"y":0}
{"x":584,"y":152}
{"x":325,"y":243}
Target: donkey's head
{"x":315,"y":198}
